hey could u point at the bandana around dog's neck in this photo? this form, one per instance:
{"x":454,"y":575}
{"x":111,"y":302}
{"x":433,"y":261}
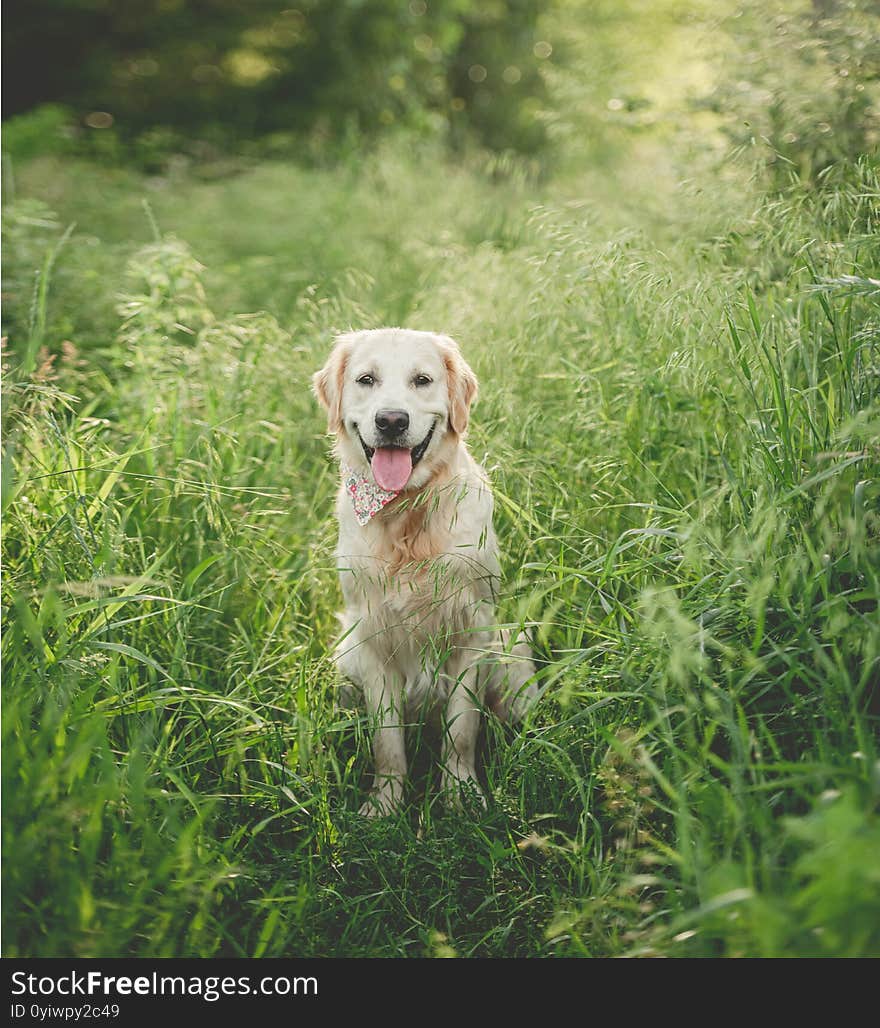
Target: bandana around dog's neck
{"x":366,"y":497}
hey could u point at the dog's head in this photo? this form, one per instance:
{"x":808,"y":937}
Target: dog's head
{"x":398,"y":402}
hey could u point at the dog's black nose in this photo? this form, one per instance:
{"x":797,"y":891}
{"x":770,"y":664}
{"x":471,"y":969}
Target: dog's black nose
{"x":392,"y":422}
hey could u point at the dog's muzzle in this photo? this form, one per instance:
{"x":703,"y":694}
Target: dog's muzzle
{"x":416,"y":452}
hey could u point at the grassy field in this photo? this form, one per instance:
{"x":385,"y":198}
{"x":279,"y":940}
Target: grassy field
{"x":680,"y":409}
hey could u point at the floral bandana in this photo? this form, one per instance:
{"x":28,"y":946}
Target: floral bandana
{"x":366,"y":497}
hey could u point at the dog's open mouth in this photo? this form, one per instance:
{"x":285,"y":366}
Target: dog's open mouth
{"x":393,"y":465}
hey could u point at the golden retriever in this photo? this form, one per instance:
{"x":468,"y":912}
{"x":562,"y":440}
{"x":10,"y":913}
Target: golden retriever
{"x":417,"y":555}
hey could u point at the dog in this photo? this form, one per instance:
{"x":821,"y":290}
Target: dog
{"x":417,"y":556}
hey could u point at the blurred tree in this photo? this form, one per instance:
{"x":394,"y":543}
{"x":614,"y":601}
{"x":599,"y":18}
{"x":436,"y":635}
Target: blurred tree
{"x":225,"y":70}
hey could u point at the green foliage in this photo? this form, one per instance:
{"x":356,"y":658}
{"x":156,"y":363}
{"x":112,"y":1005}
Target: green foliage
{"x":200,"y":78}
{"x":680,"y":409}
{"x":809,"y":97}
{"x":797,"y":87}
{"x":45,"y":130}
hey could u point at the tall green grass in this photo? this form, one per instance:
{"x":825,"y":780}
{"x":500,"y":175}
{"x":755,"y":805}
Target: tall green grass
{"x":683,"y":432}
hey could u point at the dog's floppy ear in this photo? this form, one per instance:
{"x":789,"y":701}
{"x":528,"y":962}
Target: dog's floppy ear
{"x":327,"y":383}
{"x":462,"y":384}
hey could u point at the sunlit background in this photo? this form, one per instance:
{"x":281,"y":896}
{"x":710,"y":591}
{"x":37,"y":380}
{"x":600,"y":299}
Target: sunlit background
{"x":652,"y":225}
{"x":147,"y":81}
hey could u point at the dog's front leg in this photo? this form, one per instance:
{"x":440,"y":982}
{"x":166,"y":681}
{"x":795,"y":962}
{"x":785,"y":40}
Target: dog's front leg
{"x":460,"y":729}
{"x":385,"y":706}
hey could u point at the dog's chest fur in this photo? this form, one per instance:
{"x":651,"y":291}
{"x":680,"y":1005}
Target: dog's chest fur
{"x":417,"y":576}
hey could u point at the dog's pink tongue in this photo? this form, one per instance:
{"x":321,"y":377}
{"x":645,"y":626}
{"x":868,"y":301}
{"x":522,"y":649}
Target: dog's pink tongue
{"x":392,"y":466}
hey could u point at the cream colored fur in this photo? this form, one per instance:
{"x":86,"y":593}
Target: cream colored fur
{"x":419,"y":579}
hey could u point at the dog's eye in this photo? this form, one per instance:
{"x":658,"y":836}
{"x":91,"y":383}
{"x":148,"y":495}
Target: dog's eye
{"x":366,"y":380}
{"x":422,"y":380}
